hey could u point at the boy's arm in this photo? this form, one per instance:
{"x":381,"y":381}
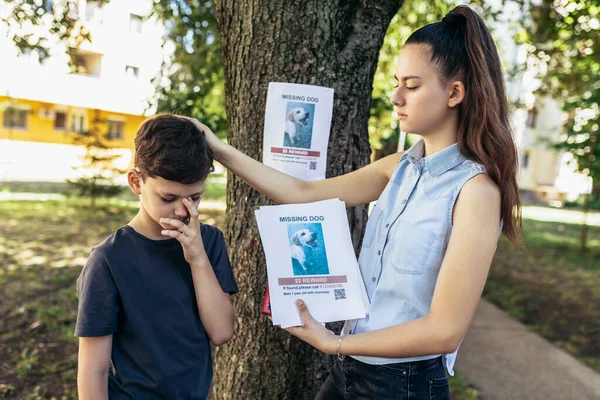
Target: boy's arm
{"x":214,"y":305}
{"x":94,"y":367}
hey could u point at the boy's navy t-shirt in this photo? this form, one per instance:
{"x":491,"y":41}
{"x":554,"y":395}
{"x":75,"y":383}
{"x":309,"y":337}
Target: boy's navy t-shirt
{"x":141,"y":291}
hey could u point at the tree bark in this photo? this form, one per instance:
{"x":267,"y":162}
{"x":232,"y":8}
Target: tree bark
{"x":326,"y":43}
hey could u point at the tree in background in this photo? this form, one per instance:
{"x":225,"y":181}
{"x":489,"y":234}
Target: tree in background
{"x":98,"y":170}
{"x":61,"y":18}
{"x":191,"y":82}
{"x":564,"y":45}
{"x":581,"y":140}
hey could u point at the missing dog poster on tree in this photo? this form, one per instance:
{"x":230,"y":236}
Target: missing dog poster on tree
{"x":310,"y":256}
{"x":297,"y":126}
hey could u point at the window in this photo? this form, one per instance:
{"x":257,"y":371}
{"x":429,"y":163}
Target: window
{"x":86,"y":63}
{"x":532,"y":118}
{"x":15,"y":118}
{"x":32,"y":54}
{"x":115,"y":130}
{"x":78,"y":122}
{"x":135,"y":23}
{"x":132,"y":72}
{"x":60,"y":121}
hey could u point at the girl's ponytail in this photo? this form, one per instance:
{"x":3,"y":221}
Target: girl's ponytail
{"x":462,"y":48}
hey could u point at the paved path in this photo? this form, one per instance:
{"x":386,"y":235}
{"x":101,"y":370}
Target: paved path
{"x":505,"y":360}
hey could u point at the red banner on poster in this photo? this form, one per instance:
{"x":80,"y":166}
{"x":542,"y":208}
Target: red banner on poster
{"x":295,"y":152}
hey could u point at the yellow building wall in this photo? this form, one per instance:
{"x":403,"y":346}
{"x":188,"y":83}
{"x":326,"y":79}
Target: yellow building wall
{"x":42,"y":129}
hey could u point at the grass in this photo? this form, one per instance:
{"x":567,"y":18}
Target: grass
{"x":43,"y":247}
{"x":554,"y":288}
{"x":461,"y":389}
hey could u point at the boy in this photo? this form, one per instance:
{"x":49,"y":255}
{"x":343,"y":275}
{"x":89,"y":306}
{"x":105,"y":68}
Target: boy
{"x":155,"y":292}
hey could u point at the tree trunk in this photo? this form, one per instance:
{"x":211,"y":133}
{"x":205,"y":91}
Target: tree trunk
{"x":584,"y":227}
{"x":93,"y":194}
{"x":586,"y":199}
{"x":326,"y":43}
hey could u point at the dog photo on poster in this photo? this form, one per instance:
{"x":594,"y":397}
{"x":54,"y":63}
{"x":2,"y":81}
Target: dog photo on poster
{"x":299,"y":119}
{"x":307,"y":246}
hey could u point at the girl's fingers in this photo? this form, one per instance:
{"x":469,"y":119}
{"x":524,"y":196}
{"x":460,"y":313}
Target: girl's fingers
{"x":293,"y":331}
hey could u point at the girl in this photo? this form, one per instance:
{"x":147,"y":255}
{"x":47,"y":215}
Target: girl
{"x":430,"y":238}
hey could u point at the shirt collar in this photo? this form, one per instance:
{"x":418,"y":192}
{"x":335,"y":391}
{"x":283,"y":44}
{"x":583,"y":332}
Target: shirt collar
{"x":438,"y":163}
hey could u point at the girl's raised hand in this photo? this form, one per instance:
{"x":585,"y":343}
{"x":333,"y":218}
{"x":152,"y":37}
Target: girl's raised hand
{"x":213,"y":141}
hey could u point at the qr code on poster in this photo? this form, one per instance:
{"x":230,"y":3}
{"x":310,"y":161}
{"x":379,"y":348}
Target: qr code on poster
{"x":339,"y":293}
{"x":313,"y":165}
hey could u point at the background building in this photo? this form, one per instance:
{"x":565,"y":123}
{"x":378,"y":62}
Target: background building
{"x":108,"y":81}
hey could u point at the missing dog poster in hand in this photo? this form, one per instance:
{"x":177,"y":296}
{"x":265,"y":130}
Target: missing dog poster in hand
{"x":310,"y":256}
{"x":297,"y":126}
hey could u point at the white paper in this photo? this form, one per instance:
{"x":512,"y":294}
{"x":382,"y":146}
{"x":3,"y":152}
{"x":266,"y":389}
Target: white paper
{"x":297,"y":126}
{"x":310,"y":256}
{"x":291,"y":207}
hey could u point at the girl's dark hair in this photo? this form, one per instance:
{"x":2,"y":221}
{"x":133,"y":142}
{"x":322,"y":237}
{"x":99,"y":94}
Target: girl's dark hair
{"x":462,"y":48}
{"x":172,"y":148}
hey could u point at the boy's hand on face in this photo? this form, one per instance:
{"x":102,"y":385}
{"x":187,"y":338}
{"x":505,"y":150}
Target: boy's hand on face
{"x":188,"y":235}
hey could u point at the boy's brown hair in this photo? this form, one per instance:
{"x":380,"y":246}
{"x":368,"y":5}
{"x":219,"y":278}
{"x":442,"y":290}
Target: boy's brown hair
{"x":172,"y":148}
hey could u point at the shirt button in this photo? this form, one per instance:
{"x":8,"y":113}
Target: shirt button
{"x":404,"y":201}
{"x":387,"y":225}
{"x":378,"y":252}
{"x":374,"y":279}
